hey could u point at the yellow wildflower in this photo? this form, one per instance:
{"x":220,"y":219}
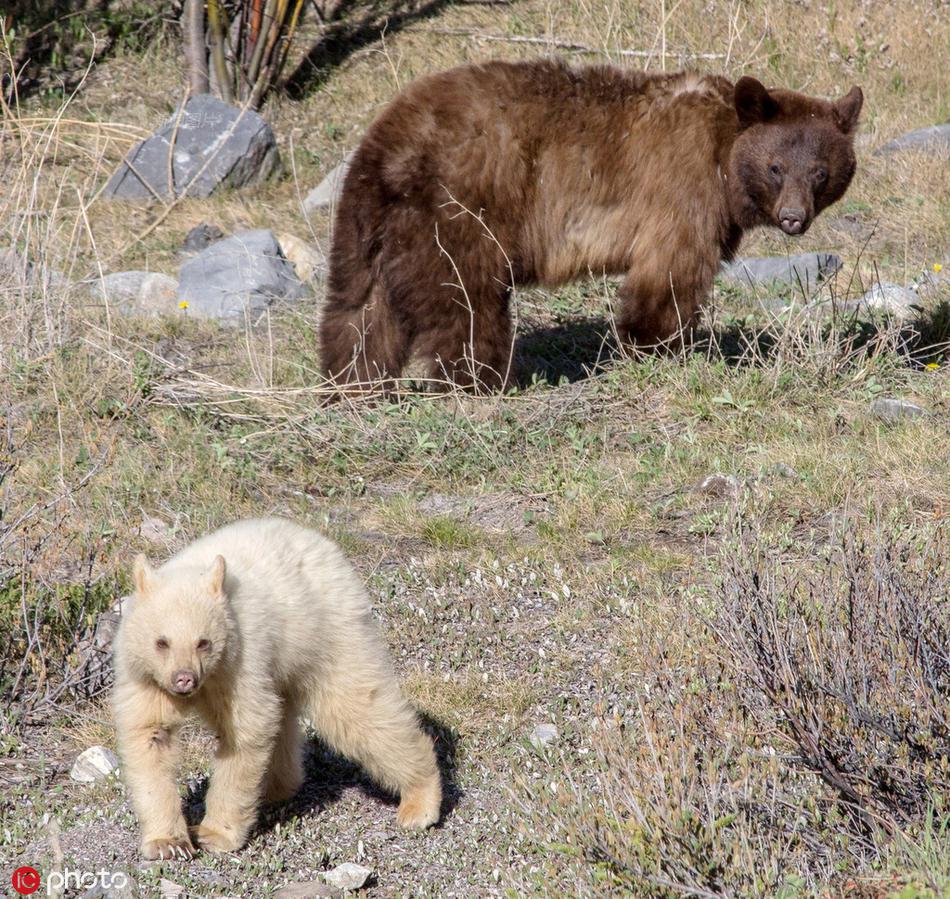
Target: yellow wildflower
{"x":183,"y":305}
{"x":932,"y":366}
{"x":938,"y":268}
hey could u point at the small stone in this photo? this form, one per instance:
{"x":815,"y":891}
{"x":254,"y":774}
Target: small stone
{"x":891,"y":299}
{"x":327,"y":192}
{"x":803,"y":269}
{"x":110,"y":885}
{"x":310,"y":889}
{"x":932,"y":284}
{"x":153,"y":528}
{"x":723,"y":485}
{"x":935,"y":139}
{"x":168,"y":889}
{"x":135,"y":293}
{"x":308,"y":261}
{"x":543,"y":735}
{"x":95,"y":763}
{"x":784,"y":470}
{"x":348,"y":876}
{"x":891,"y":409}
{"x":201,"y":236}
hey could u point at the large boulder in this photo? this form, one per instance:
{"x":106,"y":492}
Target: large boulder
{"x":803,"y":269}
{"x":239,"y":276}
{"x":212,"y":145}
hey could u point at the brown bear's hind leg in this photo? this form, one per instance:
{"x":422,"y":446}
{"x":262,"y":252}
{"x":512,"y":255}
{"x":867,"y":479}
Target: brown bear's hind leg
{"x":474,"y":349}
{"x":364,"y":346}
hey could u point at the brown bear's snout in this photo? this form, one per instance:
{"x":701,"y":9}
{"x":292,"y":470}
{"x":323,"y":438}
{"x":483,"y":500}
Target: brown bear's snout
{"x":184,"y":681}
{"x":793,"y":220}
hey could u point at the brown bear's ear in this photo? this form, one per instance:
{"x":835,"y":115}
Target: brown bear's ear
{"x":215,"y":582}
{"x":847,"y":110}
{"x":753,"y":102}
{"x":142,"y":573}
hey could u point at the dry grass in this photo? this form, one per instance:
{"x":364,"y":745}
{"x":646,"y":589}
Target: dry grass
{"x":537,"y":556}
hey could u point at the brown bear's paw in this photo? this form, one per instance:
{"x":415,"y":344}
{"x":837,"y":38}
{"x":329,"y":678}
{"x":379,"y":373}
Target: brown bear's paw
{"x":217,"y":839}
{"x":168,"y":848}
{"x":420,"y":804}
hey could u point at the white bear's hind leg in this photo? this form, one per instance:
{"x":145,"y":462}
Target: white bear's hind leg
{"x":285,"y":774}
{"x":375,"y":726}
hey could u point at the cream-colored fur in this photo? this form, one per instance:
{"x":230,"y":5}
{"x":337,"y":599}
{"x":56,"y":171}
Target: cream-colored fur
{"x":249,"y":627}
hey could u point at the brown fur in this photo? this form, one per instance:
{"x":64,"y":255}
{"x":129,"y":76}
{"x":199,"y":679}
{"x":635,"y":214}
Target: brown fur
{"x":484,"y":177}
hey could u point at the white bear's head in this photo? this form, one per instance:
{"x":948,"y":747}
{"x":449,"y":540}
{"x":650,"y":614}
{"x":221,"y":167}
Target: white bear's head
{"x":179,"y":626}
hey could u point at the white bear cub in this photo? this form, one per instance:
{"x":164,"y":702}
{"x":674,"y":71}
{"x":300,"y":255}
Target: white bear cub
{"x":249,"y":628}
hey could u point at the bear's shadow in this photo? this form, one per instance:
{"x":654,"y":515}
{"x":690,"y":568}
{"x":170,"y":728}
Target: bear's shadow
{"x":327,"y":775}
{"x":568,"y":351}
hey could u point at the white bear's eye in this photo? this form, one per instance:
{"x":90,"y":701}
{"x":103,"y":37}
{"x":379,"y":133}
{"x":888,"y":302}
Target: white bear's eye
{"x":161,"y":643}
{"x":203,"y":644}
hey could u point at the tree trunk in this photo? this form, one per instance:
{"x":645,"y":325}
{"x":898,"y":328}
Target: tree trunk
{"x":196,"y":56}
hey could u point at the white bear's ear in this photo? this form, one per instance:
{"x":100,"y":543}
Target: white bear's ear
{"x":215,"y":582}
{"x":848,"y":108}
{"x":142,"y":573}
{"x":753,"y":102}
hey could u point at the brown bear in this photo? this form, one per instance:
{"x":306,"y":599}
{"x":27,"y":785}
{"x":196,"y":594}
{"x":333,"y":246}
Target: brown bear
{"x":484,"y":177}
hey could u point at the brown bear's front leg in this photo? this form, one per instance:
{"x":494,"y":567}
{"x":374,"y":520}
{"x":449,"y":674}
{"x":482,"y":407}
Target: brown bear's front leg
{"x":658,"y":303}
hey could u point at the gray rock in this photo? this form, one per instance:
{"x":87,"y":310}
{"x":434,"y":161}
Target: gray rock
{"x":245,"y":273}
{"x":309,"y":889}
{"x":543,"y":735}
{"x":95,"y":763}
{"x":18,"y":273}
{"x":724,"y":485}
{"x":348,"y":876}
{"x":107,"y":624}
{"x":935,"y":139}
{"x":215,"y":145}
{"x":200,"y":236}
{"x":889,"y":298}
{"x":146,"y":294}
{"x":932,"y":284}
{"x":804,"y":269}
{"x":327,"y":192}
{"x":891,"y":409}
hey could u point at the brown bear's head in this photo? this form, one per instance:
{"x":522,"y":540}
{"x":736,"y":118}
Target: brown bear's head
{"x":179,"y":626}
{"x":793,"y":155}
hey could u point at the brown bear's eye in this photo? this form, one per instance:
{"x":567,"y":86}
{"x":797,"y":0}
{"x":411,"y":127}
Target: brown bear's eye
{"x":204,"y":644}
{"x":161,"y":643}
{"x":775,"y":171}
{"x":820,"y":175}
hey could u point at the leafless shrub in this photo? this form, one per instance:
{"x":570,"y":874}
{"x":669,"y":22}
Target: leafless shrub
{"x":851,"y":664}
{"x":805,"y":744}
